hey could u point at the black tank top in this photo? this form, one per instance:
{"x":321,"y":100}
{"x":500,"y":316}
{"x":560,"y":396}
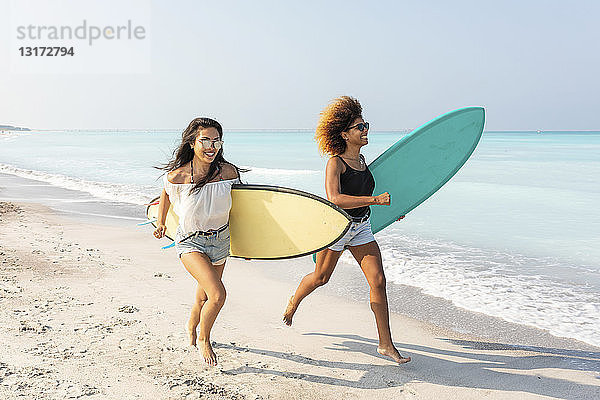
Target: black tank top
{"x":356,"y":183}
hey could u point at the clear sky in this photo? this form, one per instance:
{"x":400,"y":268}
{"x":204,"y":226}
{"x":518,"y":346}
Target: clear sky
{"x":275,"y":64}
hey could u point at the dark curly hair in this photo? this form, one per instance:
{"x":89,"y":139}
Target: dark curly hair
{"x":335,"y":119}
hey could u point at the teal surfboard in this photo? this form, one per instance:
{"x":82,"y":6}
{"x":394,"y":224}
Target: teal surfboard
{"x":419,"y":164}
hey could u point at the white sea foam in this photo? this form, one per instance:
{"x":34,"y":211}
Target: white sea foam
{"x":305,"y":179}
{"x":12,"y":135}
{"x":141,"y":194}
{"x":134,"y":194}
{"x":281,"y":172}
{"x":492,"y":283}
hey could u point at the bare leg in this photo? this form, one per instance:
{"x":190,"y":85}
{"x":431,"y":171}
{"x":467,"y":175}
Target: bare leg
{"x":208,"y":278}
{"x":326,"y":262}
{"x":369,"y":258}
{"x":195,"y":314}
{"x":197,"y":308}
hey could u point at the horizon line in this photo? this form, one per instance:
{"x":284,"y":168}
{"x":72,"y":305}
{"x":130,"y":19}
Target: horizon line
{"x":277,"y":130}
{"x":280,"y":130}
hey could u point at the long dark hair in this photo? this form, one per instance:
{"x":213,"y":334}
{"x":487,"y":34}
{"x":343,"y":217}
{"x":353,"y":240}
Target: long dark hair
{"x":185,"y":153}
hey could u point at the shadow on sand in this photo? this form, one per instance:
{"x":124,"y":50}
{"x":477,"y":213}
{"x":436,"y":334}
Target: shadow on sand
{"x":478,"y":368}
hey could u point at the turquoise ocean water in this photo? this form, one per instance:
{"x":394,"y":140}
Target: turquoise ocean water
{"x":515,"y":234}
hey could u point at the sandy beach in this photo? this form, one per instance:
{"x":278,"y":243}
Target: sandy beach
{"x":93,"y":310}
{"x":465,"y":134}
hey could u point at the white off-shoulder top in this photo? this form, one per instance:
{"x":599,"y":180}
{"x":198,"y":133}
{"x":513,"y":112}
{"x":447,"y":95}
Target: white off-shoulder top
{"x":202,"y":211}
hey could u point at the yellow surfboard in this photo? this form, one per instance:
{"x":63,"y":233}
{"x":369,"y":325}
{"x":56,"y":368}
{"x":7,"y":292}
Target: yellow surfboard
{"x":272,"y":222}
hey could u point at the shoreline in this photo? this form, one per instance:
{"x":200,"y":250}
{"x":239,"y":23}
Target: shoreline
{"x":98,"y":310}
{"x":347,"y":282}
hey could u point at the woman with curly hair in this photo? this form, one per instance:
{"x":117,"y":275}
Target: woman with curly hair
{"x":341,"y":133}
{"x":198,"y":182}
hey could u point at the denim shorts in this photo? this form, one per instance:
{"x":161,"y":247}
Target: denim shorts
{"x":215,"y":246}
{"x":359,"y":233}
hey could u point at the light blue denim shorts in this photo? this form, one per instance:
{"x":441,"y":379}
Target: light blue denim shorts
{"x":359,"y":233}
{"x":215,"y":246}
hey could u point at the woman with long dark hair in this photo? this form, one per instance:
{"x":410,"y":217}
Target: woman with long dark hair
{"x":341,"y":133}
{"x":198,"y":183}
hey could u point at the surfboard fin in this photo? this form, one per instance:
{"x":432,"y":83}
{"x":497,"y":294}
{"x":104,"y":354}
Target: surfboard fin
{"x":150,"y":221}
{"x":168,"y":246}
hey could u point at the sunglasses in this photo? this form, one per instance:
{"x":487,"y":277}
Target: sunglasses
{"x":207,"y":143}
{"x":361,"y":126}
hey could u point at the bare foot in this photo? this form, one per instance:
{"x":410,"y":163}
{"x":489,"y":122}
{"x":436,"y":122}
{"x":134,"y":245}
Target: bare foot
{"x":192,"y":334}
{"x":393,"y":354}
{"x":289,"y":312}
{"x":207,"y":352}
